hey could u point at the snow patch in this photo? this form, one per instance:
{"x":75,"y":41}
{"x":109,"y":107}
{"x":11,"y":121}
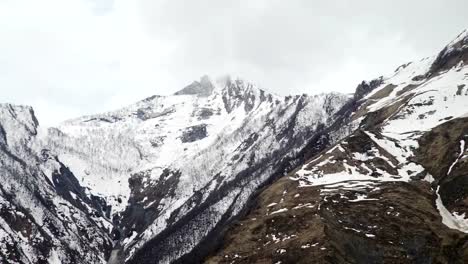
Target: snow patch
{"x":453,"y":221}
{"x":279,"y":211}
{"x":362,"y":197}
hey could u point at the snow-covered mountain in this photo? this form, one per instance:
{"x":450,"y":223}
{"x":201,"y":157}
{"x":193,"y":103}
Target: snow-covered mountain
{"x":164,"y":176}
{"x":226,"y":170}
{"x":395,"y":190}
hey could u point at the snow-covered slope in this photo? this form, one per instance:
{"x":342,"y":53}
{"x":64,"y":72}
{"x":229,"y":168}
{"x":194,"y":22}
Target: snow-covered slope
{"x":417,"y":98}
{"x":177,"y":168}
{"x":395,"y":190}
{"x":45,"y":217}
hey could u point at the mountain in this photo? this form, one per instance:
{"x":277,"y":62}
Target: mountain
{"x":156,"y":181}
{"x":225,"y":172}
{"x":393,"y":190}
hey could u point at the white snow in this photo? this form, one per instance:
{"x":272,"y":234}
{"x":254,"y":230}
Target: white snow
{"x":453,"y":221}
{"x":306,"y":205}
{"x":127,"y":240}
{"x":362,"y":197}
{"x":279,"y":211}
{"x":54,"y":258}
{"x":429,"y":178}
{"x":353,"y":229}
{"x":462,"y":150}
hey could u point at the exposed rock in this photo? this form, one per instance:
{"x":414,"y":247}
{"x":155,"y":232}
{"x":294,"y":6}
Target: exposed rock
{"x":440,"y":149}
{"x":237,"y":93}
{"x":205,"y":113}
{"x":366,"y":87}
{"x":460,"y":89}
{"x":397,"y":224}
{"x":453,"y":54}
{"x":194,"y":133}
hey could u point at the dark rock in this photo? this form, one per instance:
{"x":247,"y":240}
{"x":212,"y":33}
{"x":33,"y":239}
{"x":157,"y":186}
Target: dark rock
{"x":205,"y":113}
{"x":237,"y":93}
{"x":460,"y":89}
{"x":202,"y":88}
{"x":366,"y":87}
{"x":402,"y":226}
{"x":450,"y":56}
{"x":418,"y":78}
{"x":194,"y":133}
{"x":439,"y":148}
{"x":157,"y":141}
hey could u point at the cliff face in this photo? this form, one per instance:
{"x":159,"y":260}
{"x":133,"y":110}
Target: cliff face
{"x":393,"y":191}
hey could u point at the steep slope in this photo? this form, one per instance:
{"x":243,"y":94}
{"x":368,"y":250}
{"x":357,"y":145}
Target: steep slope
{"x":393,"y":191}
{"x":45,"y":216}
{"x":174,"y":171}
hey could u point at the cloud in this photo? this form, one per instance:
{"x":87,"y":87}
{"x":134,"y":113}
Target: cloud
{"x":75,"y":57}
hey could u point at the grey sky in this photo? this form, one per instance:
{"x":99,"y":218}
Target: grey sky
{"x":75,"y":57}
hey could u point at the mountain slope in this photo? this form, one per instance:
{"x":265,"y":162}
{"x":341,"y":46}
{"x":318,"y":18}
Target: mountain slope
{"x":45,"y":217}
{"x":393,"y":191}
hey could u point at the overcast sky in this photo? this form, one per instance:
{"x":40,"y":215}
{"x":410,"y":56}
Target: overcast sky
{"x":75,"y":57}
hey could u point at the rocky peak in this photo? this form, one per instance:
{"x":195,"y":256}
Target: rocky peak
{"x":204,"y":87}
{"x":237,"y":93}
{"x":365,"y":87}
{"x":454,"y":53}
{"x":17,"y":121}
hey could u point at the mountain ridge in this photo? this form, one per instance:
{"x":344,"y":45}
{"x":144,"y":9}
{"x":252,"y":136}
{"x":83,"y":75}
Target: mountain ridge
{"x":284,"y":177}
{"x":392,"y":191}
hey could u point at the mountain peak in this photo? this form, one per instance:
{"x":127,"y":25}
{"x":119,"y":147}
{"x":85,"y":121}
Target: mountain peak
{"x":204,"y":87}
{"x":461,"y":38}
{"x":19,"y":117}
{"x":454,"y":53}
{"x":226,"y":84}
